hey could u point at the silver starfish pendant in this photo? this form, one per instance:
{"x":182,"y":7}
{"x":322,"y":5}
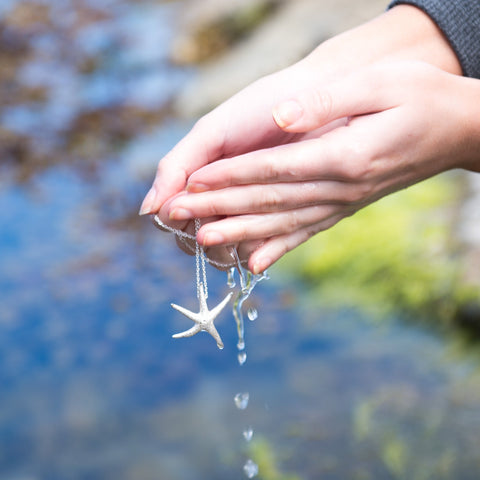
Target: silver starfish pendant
{"x":204,"y":318}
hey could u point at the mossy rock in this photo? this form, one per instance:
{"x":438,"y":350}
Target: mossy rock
{"x":395,"y":256}
{"x":207,"y":36}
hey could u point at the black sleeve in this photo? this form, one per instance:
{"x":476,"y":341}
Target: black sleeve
{"x":459,"y":20}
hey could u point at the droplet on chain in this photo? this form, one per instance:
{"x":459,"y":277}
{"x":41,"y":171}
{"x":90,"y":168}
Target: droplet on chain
{"x":242,"y":357}
{"x":231,"y":278}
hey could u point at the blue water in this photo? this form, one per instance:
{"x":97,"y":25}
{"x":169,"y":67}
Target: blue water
{"x":92,"y":384}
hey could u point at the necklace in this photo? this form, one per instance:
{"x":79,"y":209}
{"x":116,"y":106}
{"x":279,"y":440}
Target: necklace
{"x":204,"y":319}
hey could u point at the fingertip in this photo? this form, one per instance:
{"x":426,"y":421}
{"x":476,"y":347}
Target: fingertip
{"x":196,"y":187}
{"x":179,"y":213}
{"x":287,"y":113}
{"x":211,"y":239}
{"x":148,"y":203}
{"x":261,"y":264}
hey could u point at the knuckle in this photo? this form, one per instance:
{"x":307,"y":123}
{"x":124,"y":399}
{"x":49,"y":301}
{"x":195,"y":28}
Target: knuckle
{"x":201,"y":123}
{"x":322,"y":103}
{"x":270,"y":198}
{"x":291,"y":221}
{"x":214,"y":208}
{"x":272,"y":169}
{"x":358,"y":193}
{"x":357,"y":163}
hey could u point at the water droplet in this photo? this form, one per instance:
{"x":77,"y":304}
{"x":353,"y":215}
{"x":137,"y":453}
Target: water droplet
{"x":241,"y":344}
{"x":252,"y":314}
{"x":241,"y":400}
{"x":231,"y":278}
{"x":242,"y":357}
{"x":248,"y":434}
{"x":250,"y":468}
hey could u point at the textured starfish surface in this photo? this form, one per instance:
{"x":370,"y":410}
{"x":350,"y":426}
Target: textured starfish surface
{"x":204,"y":318}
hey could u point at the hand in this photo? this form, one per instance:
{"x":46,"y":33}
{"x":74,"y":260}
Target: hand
{"x":244,"y":123}
{"x":406,"y":122}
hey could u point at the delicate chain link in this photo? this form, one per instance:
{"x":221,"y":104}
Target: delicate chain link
{"x":184,"y":236}
{"x":200,"y":264}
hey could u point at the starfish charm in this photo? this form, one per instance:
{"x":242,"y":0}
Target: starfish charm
{"x":204,"y":318}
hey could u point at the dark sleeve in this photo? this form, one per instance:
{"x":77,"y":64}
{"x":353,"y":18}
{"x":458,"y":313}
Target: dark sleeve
{"x":459,"y":20}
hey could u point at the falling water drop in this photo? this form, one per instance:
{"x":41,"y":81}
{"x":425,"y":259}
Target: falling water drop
{"x":231,"y":278}
{"x":241,"y":400}
{"x":252,"y":314}
{"x":248,"y":434}
{"x":250,"y":468}
{"x":242,"y":357}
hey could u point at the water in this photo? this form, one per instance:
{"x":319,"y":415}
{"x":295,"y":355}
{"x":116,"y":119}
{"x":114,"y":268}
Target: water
{"x":248,"y":434}
{"x":242,"y":357}
{"x":252,"y":314}
{"x":241,"y":400}
{"x":93,"y":386}
{"x":251,"y":469}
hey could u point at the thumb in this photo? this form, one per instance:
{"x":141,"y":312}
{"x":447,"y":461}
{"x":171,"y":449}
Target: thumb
{"x":356,"y":94}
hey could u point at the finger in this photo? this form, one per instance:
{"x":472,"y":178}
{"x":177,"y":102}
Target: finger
{"x":257,"y":199}
{"x":185,"y":245}
{"x":255,"y":227}
{"x":364,"y":91}
{"x":329,"y":157}
{"x":274,"y":248}
{"x":229,"y":130}
{"x":162,"y":221}
{"x":193,"y":151}
{"x":222,"y":258}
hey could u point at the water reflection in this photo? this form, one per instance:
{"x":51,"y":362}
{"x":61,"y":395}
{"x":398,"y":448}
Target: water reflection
{"x":92,"y":386}
{"x":80,"y":80}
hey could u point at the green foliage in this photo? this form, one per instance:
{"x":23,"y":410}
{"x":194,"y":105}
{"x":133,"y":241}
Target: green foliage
{"x":407,"y":453}
{"x":261,"y":452}
{"x":391,"y":256}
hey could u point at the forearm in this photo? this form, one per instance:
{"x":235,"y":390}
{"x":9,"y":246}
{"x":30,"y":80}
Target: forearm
{"x":402,"y":33}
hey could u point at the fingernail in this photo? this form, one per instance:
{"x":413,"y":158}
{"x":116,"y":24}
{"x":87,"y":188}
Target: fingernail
{"x":261,"y":264}
{"x":287,"y":113}
{"x":148,"y":201}
{"x":213,"y":238}
{"x":180,"y":214}
{"x":195,"y":187}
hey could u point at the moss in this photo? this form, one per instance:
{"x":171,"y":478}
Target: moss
{"x":393,"y":256}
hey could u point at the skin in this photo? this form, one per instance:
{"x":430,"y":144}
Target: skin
{"x":347,"y":125}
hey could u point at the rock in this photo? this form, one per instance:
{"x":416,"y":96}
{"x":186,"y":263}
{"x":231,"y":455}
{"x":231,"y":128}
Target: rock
{"x":207,"y":27}
{"x":292,"y":31}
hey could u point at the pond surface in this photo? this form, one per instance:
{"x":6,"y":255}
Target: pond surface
{"x":92,"y":384}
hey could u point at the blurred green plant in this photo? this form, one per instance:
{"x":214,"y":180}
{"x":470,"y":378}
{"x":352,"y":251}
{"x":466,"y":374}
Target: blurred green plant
{"x":393,"y":256}
{"x":262,"y":453}
{"x":407,"y":452}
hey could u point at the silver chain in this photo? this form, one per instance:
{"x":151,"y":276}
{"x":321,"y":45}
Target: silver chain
{"x":184,"y":236}
{"x":200,"y":264}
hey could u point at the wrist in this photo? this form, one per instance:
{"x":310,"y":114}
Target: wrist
{"x":403,"y":33}
{"x":469,"y":93}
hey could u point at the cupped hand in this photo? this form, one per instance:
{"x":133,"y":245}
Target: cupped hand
{"x":399,"y":123}
{"x":241,"y":124}
{"x":244,"y":122}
